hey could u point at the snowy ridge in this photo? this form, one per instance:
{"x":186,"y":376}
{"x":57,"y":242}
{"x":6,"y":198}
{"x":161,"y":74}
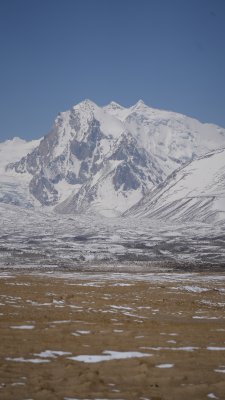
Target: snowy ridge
{"x":194,"y":192}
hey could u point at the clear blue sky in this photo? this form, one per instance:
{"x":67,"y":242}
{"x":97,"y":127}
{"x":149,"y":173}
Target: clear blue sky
{"x":55,"y":53}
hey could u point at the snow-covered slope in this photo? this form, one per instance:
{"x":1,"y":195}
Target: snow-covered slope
{"x":173,"y":138}
{"x":106,"y":159}
{"x":195,"y":192}
{"x":14,"y":188}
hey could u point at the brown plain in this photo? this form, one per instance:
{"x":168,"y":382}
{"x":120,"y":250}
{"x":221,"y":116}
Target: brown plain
{"x":84,"y":317}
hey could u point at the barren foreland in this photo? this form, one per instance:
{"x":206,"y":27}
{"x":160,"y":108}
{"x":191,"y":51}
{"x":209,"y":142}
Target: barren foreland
{"x":112,"y":336}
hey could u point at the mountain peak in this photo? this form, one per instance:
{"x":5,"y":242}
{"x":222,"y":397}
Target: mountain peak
{"x":115,"y":105}
{"x":113,"y":108}
{"x":17,"y":139}
{"x":139,"y":105}
{"x":86,"y":104}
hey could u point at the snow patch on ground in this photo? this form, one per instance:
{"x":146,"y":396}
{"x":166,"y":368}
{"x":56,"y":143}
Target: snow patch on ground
{"x":108,"y":356}
{"x":22,"y":327}
{"x":27,"y":360}
{"x":165,"y":366}
{"x":52,"y":354}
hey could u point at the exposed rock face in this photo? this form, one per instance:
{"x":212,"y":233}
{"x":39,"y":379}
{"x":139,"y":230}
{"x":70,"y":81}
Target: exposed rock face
{"x":43,"y":190}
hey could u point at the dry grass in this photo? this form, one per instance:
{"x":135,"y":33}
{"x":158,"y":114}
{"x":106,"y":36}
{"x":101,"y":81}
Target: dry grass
{"x":72,"y":316}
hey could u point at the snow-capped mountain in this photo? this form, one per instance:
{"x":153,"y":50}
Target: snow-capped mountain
{"x":195,"y":192}
{"x":106,"y":159}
